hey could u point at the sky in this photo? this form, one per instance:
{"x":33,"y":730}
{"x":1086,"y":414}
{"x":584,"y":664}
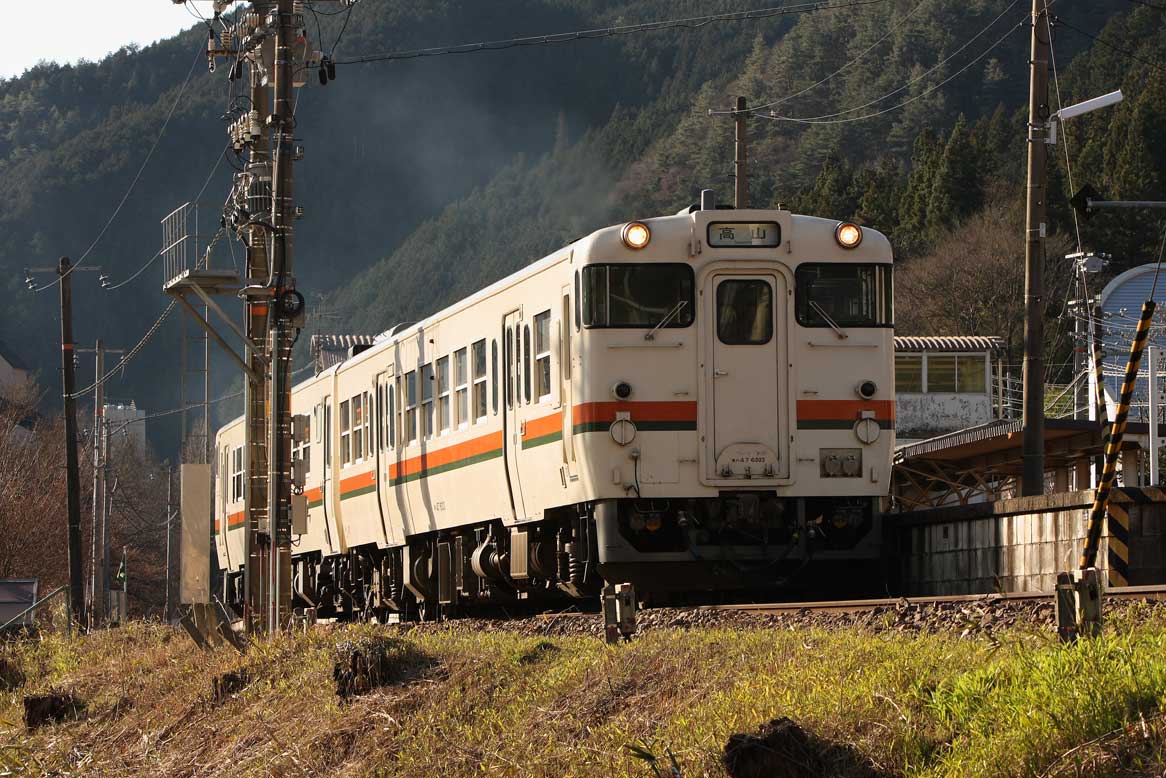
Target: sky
{"x":85,"y":29}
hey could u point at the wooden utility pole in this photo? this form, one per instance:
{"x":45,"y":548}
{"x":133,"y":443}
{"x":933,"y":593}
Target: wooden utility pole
{"x":740,"y":156}
{"x":72,"y":474}
{"x":1033,"y":440}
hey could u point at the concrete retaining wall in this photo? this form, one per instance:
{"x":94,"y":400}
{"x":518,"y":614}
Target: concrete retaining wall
{"x":1020,"y":545}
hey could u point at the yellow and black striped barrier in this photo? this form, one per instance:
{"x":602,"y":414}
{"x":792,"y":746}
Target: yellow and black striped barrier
{"x":1121,"y":503}
{"x":1113,"y":448}
{"x":1118,"y":557}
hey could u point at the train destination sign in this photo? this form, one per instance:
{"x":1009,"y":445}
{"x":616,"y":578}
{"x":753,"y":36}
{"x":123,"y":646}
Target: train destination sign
{"x":744,"y":234}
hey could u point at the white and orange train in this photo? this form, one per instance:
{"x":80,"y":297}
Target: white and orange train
{"x":690,"y":403}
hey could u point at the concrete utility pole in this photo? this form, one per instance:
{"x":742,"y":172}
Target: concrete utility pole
{"x":269,"y":42}
{"x":255,"y":569}
{"x":170,"y":516}
{"x":1033,"y":441}
{"x":72,"y":475}
{"x":99,"y":581}
{"x":280,"y":342}
{"x":741,"y":191}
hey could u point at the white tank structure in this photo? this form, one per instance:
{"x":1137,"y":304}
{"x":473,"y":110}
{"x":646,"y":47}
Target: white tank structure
{"x":1121,"y":307}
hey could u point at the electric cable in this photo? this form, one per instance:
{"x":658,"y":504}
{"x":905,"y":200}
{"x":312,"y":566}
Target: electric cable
{"x":151,"y":260}
{"x":690,"y":23}
{"x":1148,"y":4}
{"x":129,"y":355}
{"x":893,"y":29}
{"x":830,"y":118}
{"x":1064,"y":129}
{"x":199,"y":54}
{"x":1112,"y":46}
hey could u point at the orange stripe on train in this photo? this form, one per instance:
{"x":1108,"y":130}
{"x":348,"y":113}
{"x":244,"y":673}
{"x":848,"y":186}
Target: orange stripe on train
{"x":827,"y":410}
{"x":444,"y":456}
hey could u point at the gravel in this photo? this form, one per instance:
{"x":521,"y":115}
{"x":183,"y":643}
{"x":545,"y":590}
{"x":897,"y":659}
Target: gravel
{"x":978,"y":619}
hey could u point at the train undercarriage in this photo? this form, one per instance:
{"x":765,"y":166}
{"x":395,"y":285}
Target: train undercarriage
{"x":700,"y":549}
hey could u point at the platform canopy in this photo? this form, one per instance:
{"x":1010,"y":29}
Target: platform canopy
{"x":985,"y":462}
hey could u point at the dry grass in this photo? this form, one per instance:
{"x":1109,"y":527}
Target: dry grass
{"x":464,"y":703}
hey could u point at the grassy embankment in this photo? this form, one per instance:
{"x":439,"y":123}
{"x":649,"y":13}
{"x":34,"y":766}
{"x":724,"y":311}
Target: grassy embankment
{"x":473,"y":703}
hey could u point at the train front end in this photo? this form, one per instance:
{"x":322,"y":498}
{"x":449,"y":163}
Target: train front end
{"x":738,"y":398}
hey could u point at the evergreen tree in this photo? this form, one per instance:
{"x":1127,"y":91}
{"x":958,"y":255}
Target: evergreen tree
{"x":879,"y":189}
{"x":955,"y":185}
{"x":832,"y":196}
{"x":912,"y":234}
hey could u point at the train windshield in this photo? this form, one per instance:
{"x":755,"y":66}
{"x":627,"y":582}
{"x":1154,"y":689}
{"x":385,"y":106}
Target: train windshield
{"x":638,"y":295}
{"x":832,"y":294}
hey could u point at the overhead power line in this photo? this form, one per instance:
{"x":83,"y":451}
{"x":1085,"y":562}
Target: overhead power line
{"x":197,"y":197}
{"x":831,"y":118}
{"x":1060,"y":20}
{"x":199,"y":54}
{"x":891,"y":31}
{"x":1148,"y":4}
{"x":129,"y":355}
{"x":691,"y":23}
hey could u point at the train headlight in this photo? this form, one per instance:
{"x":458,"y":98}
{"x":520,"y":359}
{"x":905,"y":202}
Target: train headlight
{"x":848,"y":235}
{"x":636,"y":235}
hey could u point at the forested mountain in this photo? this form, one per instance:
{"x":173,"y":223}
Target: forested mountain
{"x":428,"y":178}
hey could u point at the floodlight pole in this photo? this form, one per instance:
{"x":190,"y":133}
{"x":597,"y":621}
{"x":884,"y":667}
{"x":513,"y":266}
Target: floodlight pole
{"x":1033,"y":424}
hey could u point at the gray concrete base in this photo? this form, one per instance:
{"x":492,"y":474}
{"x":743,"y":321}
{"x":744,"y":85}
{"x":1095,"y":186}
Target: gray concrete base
{"x":1020,"y":545}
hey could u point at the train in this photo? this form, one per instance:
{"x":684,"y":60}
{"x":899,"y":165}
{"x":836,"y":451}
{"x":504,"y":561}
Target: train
{"x":700,"y":403}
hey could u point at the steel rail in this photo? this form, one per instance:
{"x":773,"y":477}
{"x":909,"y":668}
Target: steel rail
{"x":1151,"y":592}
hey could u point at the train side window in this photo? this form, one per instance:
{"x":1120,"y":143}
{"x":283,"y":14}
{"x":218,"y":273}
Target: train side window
{"x":392,"y":417}
{"x":494,"y":375}
{"x":427,"y":400}
{"x":577,"y":298}
{"x":379,"y":416}
{"x":443,"y":416}
{"x":461,"y":390}
{"x":237,"y":474}
{"x":357,"y":411}
{"x":478,"y":373}
{"x":542,"y":355}
{"x":410,"y":432}
{"x":345,"y":435}
{"x":565,"y":346}
{"x":368,"y":424}
{"x":508,"y":360}
{"x":328,"y":432}
{"x":316,"y":420}
{"x":526,"y":363}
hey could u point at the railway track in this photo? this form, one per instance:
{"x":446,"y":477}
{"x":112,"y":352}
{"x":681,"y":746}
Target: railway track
{"x":1152,"y":592}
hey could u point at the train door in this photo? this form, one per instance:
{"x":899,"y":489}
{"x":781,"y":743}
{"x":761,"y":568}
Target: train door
{"x":330,"y":501}
{"x":747,"y":431}
{"x":511,"y":403}
{"x":384,"y":455}
{"x":223,"y":483}
{"x":566,"y":393}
